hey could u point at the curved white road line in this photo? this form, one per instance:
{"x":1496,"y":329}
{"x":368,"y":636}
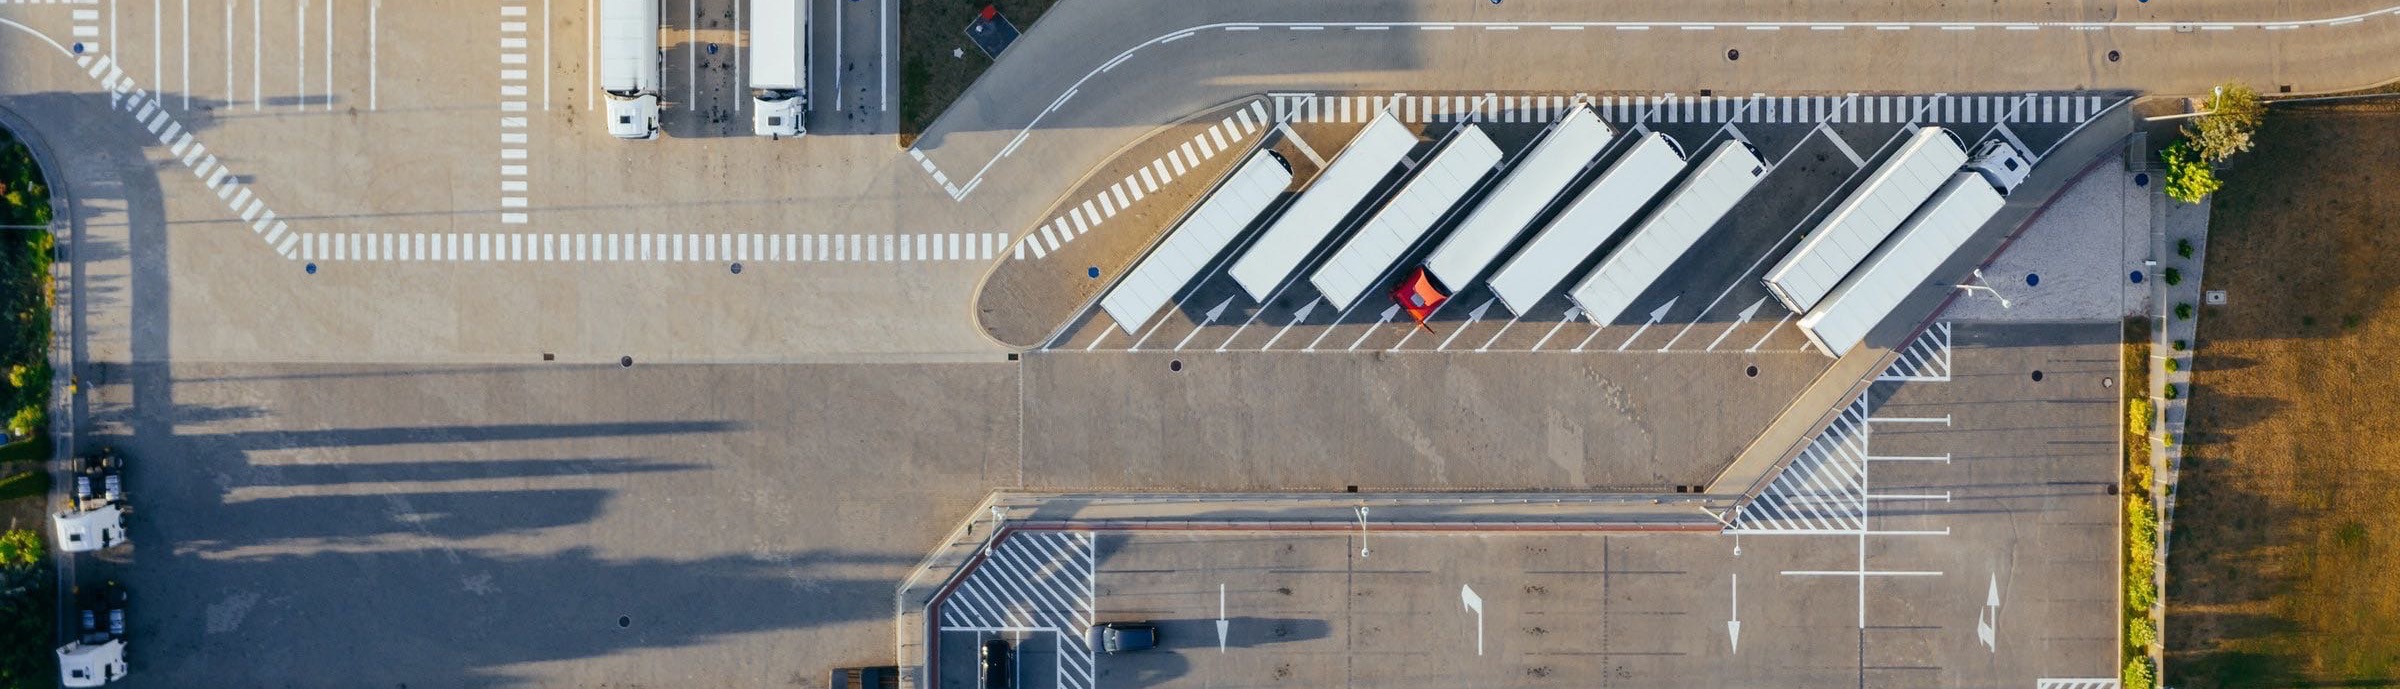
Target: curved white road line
{"x":62,"y":50}
{"x":959,"y":191}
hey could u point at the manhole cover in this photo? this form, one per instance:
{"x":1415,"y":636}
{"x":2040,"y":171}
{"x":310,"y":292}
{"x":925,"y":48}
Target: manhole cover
{"x":2141,"y":179}
{"x":2033,"y":280}
{"x":2112,"y":56}
{"x":312,"y":269}
{"x":1751,"y":371}
{"x":2136,"y":277}
{"x":624,"y":621}
{"x":2037,"y":376}
{"x":1733,"y":54}
{"x":625,"y":362}
{"x":1176,"y":365}
{"x":2214,"y":297}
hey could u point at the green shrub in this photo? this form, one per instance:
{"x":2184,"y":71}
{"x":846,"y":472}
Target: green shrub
{"x":2138,"y":416}
{"x":2234,"y":113}
{"x":2183,"y":247}
{"x":2189,"y":179}
{"x":2171,"y":393}
{"x":2183,"y":312}
{"x":2137,"y":674}
{"x":2173,"y":277}
{"x":2181,"y":345}
{"x":2140,"y":631}
{"x":27,"y":420}
{"x":20,"y":547}
{"x":2174,"y":364}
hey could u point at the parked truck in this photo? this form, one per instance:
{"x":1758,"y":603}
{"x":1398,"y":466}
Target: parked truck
{"x":629,"y":66}
{"x":96,"y":655}
{"x":95,"y":515}
{"x":1963,"y":204}
{"x":778,"y":68}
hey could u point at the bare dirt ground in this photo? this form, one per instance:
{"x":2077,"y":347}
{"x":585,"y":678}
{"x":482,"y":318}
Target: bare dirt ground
{"x":2284,"y":566}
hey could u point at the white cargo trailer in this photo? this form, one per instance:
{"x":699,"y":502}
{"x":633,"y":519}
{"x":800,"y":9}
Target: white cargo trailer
{"x":1696,"y":205}
{"x":1926,"y":240}
{"x":1440,"y":182}
{"x":778,"y":67}
{"x":629,"y":66}
{"x":1199,"y":237}
{"x":1588,"y":222}
{"x":1539,"y":177}
{"x":1865,"y":218}
{"x":1319,"y":211}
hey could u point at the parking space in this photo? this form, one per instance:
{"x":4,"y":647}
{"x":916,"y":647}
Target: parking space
{"x":1953,"y":528}
{"x":1709,"y":299}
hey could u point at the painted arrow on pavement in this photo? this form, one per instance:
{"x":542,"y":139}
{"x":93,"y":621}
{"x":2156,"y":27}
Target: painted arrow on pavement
{"x":1733,"y":627}
{"x":1212,"y":316}
{"x":1572,"y":313}
{"x":1296,"y":319}
{"x":1472,"y":317}
{"x":1655,"y":315}
{"x":1386,"y":317}
{"x":1738,"y":320}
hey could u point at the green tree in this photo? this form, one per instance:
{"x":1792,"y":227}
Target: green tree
{"x":2234,"y":113}
{"x":2189,"y":178}
{"x":20,"y":547}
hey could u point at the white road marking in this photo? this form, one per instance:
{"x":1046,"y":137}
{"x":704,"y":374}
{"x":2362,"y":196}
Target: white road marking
{"x":300,"y":55}
{"x":375,"y":10}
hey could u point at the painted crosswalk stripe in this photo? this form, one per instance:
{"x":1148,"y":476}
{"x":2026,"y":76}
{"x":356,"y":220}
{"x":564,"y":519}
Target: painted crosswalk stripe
{"x":1926,"y":358}
{"x":1823,"y":490}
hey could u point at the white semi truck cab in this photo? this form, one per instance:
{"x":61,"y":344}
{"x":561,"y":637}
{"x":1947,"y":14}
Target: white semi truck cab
{"x":778,"y":68}
{"x":629,"y":70}
{"x":96,"y":656}
{"x":95,"y":515}
{"x":2001,"y":164}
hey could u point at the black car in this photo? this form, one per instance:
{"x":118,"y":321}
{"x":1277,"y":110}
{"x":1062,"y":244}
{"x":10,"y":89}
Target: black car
{"x":997,"y":673}
{"x":1126,"y":637}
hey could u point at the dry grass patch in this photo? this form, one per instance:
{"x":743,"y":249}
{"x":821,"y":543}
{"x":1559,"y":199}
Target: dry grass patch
{"x":2285,"y":563}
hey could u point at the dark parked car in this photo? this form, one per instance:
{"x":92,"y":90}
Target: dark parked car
{"x":997,"y":673}
{"x":1126,"y":637}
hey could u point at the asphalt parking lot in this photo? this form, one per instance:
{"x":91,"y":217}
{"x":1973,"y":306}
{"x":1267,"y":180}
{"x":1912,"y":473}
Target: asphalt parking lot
{"x":1818,"y":147}
{"x":1967,"y":482}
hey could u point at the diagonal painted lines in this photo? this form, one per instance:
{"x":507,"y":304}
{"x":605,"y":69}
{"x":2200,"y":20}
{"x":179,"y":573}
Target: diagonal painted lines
{"x":1033,"y":580}
{"x":1825,"y":488}
{"x":513,"y":105}
{"x":2091,"y":683}
{"x":154,"y":117}
{"x":1246,"y":121}
{"x":1925,"y":359}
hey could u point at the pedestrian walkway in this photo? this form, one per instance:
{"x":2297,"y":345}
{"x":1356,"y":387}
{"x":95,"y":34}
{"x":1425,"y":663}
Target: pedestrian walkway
{"x":149,"y":113}
{"x":1824,"y":490}
{"x":1033,"y":582}
{"x":1926,"y":358}
{"x":1757,"y":108}
{"x":647,"y":247}
{"x":1220,"y":137}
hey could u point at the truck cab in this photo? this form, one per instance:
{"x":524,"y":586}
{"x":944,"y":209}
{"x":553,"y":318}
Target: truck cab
{"x":2001,"y":164}
{"x":633,"y":115}
{"x":96,"y":656}
{"x":95,"y":515}
{"x":778,"y":113}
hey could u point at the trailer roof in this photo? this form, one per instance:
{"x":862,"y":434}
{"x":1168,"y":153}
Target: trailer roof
{"x":778,"y":43}
{"x":1919,"y":248}
{"x":1540,"y":176}
{"x":1202,"y":234}
{"x":1588,"y":222}
{"x":1354,"y":172}
{"x":629,"y":45}
{"x":1717,"y":183}
{"x":1864,"y":218}
{"x":1439,"y":184}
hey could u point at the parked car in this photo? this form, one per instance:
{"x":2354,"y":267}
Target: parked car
{"x":1126,"y":637}
{"x":998,"y":672}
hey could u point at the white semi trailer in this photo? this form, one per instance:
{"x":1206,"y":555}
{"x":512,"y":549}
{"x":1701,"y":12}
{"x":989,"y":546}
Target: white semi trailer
{"x":629,"y":66}
{"x":1916,"y":250}
{"x":778,"y":68}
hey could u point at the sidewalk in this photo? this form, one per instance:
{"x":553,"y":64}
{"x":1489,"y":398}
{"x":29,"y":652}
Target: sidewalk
{"x":2172,"y":223}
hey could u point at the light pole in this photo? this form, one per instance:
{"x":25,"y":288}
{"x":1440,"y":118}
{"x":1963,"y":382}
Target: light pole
{"x":1986,"y":286}
{"x":1362,"y":530}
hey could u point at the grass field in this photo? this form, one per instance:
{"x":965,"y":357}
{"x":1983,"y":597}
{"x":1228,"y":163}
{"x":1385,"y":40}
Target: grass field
{"x":2284,"y":568}
{"x":932,"y":76}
